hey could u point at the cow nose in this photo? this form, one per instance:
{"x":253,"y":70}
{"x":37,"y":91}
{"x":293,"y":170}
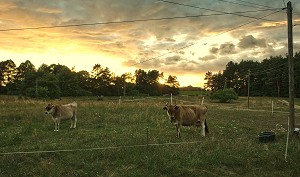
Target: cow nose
{"x":46,"y":112}
{"x":172,"y":118}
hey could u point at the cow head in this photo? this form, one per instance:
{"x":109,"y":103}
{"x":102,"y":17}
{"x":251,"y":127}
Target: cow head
{"x":49,"y":108}
{"x":171,"y":111}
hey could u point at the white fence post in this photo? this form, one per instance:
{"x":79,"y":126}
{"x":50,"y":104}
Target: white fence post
{"x":272,"y":106}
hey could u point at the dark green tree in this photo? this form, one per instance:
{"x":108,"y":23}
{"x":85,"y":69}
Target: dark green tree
{"x":224,"y":95}
{"x":8,"y":72}
{"x":171,"y":85}
{"x":25,"y":67}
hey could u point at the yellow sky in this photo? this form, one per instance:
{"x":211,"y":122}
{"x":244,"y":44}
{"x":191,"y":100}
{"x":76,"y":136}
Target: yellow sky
{"x":186,"y":48}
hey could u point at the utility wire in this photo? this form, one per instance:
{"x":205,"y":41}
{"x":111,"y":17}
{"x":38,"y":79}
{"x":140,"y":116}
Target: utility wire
{"x":267,"y":71}
{"x":256,"y":5}
{"x":251,"y":4}
{"x":274,"y":69}
{"x":131,"y":21}
{"x":218,"y":10}
{"x":259,"y":5}
{"x":172,"y":51}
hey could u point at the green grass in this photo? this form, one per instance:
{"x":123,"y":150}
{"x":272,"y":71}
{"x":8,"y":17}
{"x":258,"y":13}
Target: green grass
{"x":193,"y":92}
{"x":231,"y":149}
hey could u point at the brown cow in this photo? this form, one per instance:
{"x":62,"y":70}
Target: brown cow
{"x":187,"y":115}
{"x":63,"y":112}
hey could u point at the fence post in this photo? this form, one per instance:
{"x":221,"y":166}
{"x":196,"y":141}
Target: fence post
{"x":272,"y":106}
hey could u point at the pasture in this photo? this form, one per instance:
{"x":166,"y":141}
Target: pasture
{"x":135,"y":138}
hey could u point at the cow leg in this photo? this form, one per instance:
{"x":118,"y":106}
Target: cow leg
{"x":56,"y":125}
{"x":178,"y":131}
{"x":75,"y":121}
{"x":72,"y":123}
{"x":203,"y":128}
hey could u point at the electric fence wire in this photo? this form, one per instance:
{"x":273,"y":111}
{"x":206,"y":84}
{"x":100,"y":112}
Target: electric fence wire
{"x":97,"y":148}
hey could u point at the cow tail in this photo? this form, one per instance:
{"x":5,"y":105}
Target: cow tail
{"x":206,"y":127}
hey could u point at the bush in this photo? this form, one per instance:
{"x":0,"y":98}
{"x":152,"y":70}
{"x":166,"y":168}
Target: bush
{"x":225,"y":95}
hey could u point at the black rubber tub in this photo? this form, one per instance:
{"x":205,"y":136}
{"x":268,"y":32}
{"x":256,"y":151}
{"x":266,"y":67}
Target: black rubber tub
{"x":266,"y":137}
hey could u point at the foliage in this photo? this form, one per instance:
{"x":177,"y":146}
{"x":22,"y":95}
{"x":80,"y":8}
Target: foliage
{"x":267,"y":78}
{"x":224,"y":95}
{"x":171,"y":86}
{"x":57,"y":80}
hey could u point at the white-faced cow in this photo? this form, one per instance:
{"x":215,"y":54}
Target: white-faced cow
{"x":63,"y":112}
{"x":187,"y":115}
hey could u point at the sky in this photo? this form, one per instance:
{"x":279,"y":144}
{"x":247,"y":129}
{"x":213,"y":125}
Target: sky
{"x":185,"y":39}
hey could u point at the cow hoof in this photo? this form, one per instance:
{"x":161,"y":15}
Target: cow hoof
{"x":56,"y":130}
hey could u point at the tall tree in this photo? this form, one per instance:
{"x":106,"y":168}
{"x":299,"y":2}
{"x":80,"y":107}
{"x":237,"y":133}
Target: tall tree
{"x":7,"y":75}
{"x":171,"y":85}
{"x":101,"y":80}
{"x":21,"y":71}
{"x":214,"y":81}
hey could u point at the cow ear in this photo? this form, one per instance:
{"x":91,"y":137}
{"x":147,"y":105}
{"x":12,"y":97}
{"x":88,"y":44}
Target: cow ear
{"x":165,"y":108}
{"x":176,"y":107}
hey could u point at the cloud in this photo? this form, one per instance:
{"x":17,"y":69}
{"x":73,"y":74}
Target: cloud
{"x":207,"y":58}
{"x":214,"y":50}
{"x":173,"y":60}
{"x":7,"y":5}
{"x":251,"y":42}
{"x":224,"y":49}
{"x":227,"y":48}
{"x":146,"y":45}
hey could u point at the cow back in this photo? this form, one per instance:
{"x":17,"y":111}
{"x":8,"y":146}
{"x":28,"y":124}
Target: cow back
{"x":64,"y":111}
{"x":190,"y":114}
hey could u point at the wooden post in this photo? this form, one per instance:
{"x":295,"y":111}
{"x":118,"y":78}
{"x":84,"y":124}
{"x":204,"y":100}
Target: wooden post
{"x":36,"y":88}
{"x":248,"y":88}
{"x":124,"y":91}
{"x":147,"y":136}
{"x":272,"y":106}
{"x":291,"y":68}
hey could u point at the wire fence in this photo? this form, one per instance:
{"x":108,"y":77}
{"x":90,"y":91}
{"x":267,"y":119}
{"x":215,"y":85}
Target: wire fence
{"x":147,"y":144}
{"x":98,"y":148}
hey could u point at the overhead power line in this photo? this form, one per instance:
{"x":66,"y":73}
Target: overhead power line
{"x":257,"y":5}
{"x":253,"y":5}
{"x":282,"y":66}
{"x":240,"y":15}
{"x":187,"y":46}
{"x":132,"y":21}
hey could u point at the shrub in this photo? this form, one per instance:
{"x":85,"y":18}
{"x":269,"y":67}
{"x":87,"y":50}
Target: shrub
{"x":225,"y":95}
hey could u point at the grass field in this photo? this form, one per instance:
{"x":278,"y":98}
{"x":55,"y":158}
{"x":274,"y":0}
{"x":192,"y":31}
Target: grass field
{"x":111,"y":140}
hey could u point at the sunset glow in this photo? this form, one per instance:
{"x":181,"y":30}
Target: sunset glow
{"x":57,"y":33}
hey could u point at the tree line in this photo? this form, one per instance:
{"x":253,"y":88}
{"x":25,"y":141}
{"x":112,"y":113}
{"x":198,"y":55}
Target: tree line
{"x":269,"y":77}
{"x":55,"y":81}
